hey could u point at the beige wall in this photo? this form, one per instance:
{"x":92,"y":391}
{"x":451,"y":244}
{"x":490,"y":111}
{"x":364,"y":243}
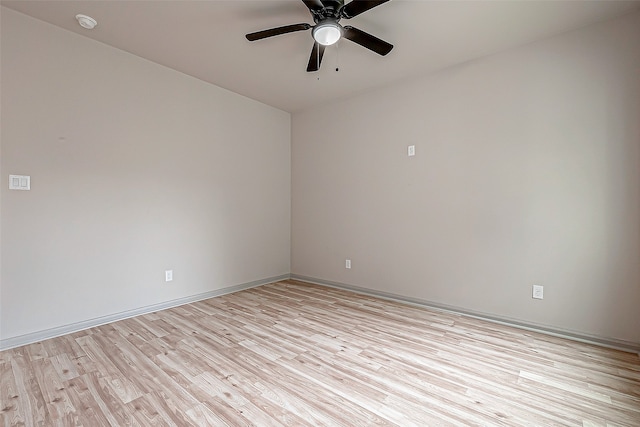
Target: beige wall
{"x":135,"y":169}
{"x":527,"y":171}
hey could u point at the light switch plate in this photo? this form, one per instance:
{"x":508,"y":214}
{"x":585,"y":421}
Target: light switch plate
{"x":19,"y":182}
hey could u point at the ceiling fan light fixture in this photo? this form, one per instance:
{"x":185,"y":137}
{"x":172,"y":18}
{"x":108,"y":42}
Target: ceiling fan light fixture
{"x":327,"y":33}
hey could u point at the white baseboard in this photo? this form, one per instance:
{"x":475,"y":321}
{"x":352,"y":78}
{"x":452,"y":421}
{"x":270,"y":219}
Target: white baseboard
{"x":33,"y":337}
{"x":30,"y":338}
{"x":589,"y":339}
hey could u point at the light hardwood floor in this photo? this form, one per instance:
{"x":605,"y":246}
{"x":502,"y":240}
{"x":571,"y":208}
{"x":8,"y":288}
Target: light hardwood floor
{"x":296,"y":354}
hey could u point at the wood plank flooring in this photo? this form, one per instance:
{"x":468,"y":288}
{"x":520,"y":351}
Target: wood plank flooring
{"x":294,"y":354}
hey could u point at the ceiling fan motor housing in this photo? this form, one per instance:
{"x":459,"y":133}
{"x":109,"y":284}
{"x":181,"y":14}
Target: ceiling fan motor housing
{"x":331,"y":9}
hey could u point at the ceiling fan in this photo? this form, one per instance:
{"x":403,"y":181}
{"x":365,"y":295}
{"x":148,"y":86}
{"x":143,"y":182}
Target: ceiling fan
{"x":327,"y":31}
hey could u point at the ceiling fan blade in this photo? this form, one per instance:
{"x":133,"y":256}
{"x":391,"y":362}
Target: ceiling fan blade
{"x":276,"y":31}
{"x":314,"y":5}
{"x":373,"y":43}
{"x":316,"y":57}
{"x":356,"y":7}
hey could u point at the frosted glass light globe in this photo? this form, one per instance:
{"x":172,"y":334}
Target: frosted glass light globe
{"x":327,"y":34}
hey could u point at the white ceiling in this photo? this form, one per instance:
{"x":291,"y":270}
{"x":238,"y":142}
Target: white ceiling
{"x":205,"y":39}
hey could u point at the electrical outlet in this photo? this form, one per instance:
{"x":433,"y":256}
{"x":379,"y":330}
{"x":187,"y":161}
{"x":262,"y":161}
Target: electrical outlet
{"x":411,"y":150}
{"x":168,"y":275}
{"x":347,"y":263}
{"x":538,"y":291}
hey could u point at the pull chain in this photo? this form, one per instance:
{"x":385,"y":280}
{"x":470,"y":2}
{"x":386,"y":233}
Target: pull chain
{"x":318,"y":61}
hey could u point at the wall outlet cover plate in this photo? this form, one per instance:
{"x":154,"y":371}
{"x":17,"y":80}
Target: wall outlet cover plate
{"x":538,"y":292}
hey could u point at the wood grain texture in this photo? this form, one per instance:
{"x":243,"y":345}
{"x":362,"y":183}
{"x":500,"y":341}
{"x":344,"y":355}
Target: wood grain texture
{"x":296,"y":354}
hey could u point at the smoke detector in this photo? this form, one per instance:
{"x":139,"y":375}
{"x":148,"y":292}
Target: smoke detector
{"x":86,"y":22}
